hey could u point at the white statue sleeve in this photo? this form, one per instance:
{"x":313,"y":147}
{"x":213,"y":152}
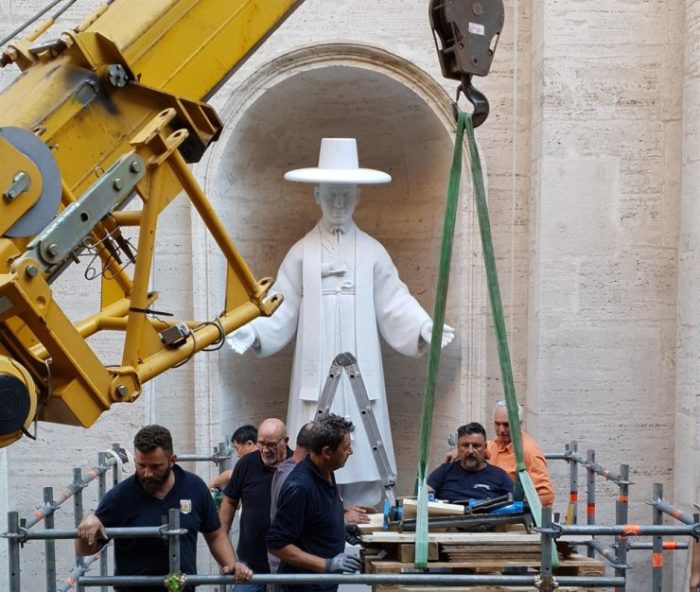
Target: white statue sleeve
{"x":399,"y":315}
{"x":274,"y":332}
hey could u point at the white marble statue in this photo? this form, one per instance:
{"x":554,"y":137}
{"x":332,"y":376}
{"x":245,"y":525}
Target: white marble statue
{"x":340,"y":290}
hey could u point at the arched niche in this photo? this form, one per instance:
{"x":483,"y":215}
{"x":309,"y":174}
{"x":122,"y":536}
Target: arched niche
{"x":403,"y":123}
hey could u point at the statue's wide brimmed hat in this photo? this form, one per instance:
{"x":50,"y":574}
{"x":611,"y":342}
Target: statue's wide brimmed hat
{"x":338,"y":163}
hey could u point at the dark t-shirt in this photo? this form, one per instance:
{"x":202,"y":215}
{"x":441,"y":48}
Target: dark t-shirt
{"x":128,"y":505}
{"x":451,"y":482}
{"x":250,"y":485}
{"x":310,"y":516}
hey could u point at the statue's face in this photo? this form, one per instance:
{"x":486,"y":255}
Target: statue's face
{"x":337,"y":202}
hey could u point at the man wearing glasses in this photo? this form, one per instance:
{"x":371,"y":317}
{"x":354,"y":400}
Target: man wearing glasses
{"x":250,"y":486}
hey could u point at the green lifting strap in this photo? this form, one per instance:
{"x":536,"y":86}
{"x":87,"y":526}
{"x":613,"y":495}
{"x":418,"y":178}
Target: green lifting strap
{"x":523,"y":481}
{"x":421,"y":554}
{"x":524,"y":485}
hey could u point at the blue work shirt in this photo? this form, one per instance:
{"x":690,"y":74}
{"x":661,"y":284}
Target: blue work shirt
{"x":309,"y":516}
{"x":452,"y":483}
{"x":129,"y":505}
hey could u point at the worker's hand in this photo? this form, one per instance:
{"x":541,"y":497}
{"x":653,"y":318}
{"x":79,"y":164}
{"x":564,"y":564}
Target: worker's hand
{"x":451,"y":455}
{"x":426,"y":333}
{"x":353,"y":534}
{"x":343,"y":563}
{"x":357,"y":514}
{"x":694,"y":583}
{"x":240,"y":571}
{"x":92,"y":531}
{"x":242,"y":339}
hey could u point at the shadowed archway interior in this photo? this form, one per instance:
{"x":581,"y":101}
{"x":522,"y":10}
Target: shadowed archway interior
{"x":397,"y":132}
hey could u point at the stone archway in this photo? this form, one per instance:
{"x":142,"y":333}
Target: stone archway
{"x":403,"y":123}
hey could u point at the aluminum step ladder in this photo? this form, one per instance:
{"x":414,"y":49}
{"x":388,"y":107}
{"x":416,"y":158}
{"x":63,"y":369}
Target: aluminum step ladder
{"x":347,"y":363}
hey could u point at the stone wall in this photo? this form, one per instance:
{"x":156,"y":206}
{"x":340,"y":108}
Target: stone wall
{"x":589,"y":153}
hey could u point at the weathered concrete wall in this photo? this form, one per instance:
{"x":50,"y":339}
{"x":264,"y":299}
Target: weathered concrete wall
{"x":583,"y":155}
{"x":604,"y":235}
{"x":686,"y":477}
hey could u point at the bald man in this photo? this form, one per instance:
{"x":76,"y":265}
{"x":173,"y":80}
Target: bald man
{"x":501,"y":454}
{"x":250,"y":485}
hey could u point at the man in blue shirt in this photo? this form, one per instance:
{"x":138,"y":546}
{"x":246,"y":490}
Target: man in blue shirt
{"x":469,"y":476}
{"x":308,"y":531}
{"x":144,"y":499}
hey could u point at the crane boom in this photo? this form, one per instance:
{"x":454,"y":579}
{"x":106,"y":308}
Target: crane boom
{"x":95,"y":137}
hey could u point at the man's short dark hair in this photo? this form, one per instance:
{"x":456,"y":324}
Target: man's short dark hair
{"x":471,"y":428}
{"x":246,"y":433}
{"x":329,"y":431}
{"x":153,"y":436}
{"x":304,"y":435}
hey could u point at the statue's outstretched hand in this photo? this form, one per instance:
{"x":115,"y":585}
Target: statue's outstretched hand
{"x":448,"y":333}
{"x":242,"y":339}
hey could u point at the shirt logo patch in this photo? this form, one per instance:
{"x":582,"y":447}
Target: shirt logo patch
{"x":185,"y":506}
{"x":482,"y":486}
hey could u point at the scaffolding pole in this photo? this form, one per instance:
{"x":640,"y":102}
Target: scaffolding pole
{"x":368,"y":579}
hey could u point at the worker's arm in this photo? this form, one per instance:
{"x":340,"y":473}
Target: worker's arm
{"x":536,"y":466}
{"x":221,"y":549}
{"x":227,"y":513}
{"x":220,"y":481}
{"x":293,"y":555}
{"x":91,"y":536}
{"x":694,"y":583}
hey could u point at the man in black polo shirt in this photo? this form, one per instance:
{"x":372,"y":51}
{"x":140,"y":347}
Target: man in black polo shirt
{"x":469,"y":476}
{"x":250,"y":485}
{"x":144,"y":500}
{"x":308,"y":531}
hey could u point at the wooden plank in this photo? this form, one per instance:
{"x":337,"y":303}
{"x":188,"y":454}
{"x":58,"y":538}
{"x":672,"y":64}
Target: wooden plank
{"x":466,"y":538}
{"x":407,"y":552}
{"x":410,"y":508}
{"x":376,"y":522}
{"x":577,"y":565}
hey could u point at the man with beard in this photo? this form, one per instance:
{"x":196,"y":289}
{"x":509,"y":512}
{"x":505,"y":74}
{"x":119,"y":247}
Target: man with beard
{"x":469,"y":476}
{"x":250,"y":486}
{"x":144,"y":499}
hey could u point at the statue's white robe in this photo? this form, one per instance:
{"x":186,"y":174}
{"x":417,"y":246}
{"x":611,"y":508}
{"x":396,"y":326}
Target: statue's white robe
{"x":333,"y":313}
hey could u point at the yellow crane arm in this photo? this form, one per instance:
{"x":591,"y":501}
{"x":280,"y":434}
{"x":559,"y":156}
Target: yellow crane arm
{"x":108,"y":116}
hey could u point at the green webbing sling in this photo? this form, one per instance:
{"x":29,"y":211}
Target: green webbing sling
{"x":421,"y":557}
{"x":523,"y":481}
{"x":524,"y":484}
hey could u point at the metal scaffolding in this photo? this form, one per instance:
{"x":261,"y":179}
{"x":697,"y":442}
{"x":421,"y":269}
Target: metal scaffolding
{"x":19,"y":533}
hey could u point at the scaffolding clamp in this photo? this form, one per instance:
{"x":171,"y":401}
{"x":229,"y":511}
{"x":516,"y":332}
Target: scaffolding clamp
{"x":176,"y":582}
{"x":554,"y":530}
{"x":546,"y":584}
{"x":165,"y":531}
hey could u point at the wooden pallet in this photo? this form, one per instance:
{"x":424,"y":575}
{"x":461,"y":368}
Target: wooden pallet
{"x":472,"y":553}
{"x":574,"y":565}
